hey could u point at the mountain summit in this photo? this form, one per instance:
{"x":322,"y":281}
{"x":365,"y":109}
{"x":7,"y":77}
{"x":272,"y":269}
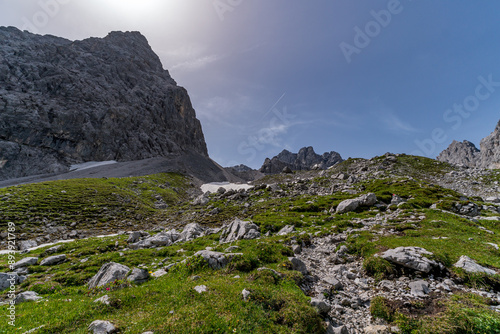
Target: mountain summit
{"x":467,"y":154}
{"x":305,"y":159}
{"x":67,"y":102}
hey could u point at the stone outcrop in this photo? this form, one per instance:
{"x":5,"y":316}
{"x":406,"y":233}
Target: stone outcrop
{"x":461,"y":153}
{"x":238,"y":230}
{"x":471,"y":266}
{"x":108,"y":273}
{"x":412,"y":258}
{"x":306,"y":159}
{"x":65,"y":102}
{"x":490,"y":149}
{"x":352,"y":204}
{"x":466,"y":153}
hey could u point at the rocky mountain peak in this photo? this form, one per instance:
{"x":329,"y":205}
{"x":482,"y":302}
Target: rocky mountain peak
{"x":305,"y":159}
{"x":490,"y":149}
{"x":467,"y":154}
{"x":460,"y":153}
{"x":65,"y":102}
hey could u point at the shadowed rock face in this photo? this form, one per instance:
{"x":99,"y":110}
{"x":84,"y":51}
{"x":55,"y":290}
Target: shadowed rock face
{"x":465,"y":153}
{"x":306,"y":159}
{"x":65,"y":102}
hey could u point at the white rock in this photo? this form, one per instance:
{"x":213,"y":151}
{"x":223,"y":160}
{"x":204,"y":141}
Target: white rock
{"x":200,"y":288}
{"x":471,"y":266}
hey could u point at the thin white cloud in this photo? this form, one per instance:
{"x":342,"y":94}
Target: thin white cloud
{"x":196,"y":64}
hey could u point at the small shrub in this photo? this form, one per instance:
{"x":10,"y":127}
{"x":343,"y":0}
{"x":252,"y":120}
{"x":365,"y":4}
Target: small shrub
{"x":378,"y":267}
{"x":192,"y":265}
{"x":245,"y":263}
{"x":379,"y":308}
{"x":47,"y":288}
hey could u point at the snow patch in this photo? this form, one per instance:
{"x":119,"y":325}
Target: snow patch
{"x":214,"y":186}
{"x":90,"y":164}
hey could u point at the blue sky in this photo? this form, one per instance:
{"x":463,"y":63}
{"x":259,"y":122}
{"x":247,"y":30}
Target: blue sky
{"x":358,"y":77}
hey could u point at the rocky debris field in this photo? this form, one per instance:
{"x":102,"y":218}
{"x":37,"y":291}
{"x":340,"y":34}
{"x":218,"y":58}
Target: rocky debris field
{"x":393,"y":244}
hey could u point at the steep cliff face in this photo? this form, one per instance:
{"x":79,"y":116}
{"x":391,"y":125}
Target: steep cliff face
{"x":461,"y":153}
{"x":465,"y":153}
{"x":490,"y":149}
{"x":305,"y":159}
{"x":64,"y":102}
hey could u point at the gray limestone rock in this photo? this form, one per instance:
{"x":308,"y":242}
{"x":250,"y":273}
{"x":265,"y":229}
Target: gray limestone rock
{"x":286,"y":230}
{"x":419,"y":288}
{"x":23,"y":244}
{"x":238,"y":230}
{"x":191,"y":231}
{"x":138,"y":276}
{"x":53,"y":260}
{"x":27,"y":261}
{"x":104,"y":299}
{"x":490,"y":149}
{"x":8,"y":279}
{"x":461,"y":153}
{"x":306,"y":159}
{"x":135,"y":236}
{"x":298,"y":265}
{"x":216,"y":260}
{"x":321,"y":306}
{"x":108,"y":273}
{"x":411,"y":257}
{"x":352,"y":204}
{"x":471,"y":266}
{"x":102,"y":327}
{"x":27,"y":296}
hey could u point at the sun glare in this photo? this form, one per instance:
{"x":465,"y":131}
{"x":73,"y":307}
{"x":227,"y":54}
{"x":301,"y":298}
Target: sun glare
{"x":138,"y":8}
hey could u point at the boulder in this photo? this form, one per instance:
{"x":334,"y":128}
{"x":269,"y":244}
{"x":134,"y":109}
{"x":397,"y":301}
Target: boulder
{"x":298,"y":265}
{"x":245,"y":294}
{"x":27,"y":261}
{"x":200,"y":288}
{"x":104,"y":299}
{"x":159,"y":273}
{"x":322,"y":307}
{"x":201,"y":200}
{"x":102,"y":327}
{"x":286,"y":230}
{"x":108,"y":273}
{"x":419,"y":288}
{"x":53,"y":260}
{"x":136,"y":236}
{"x":336,"y":330}
{"x":26,"y":244}
{"x":471,"y":266}
{"x":6,"y":279}
{"x":238,"y":230}
{"x":138,"y":276}
{"x":27,"y":296}
{"x":158,"y":240}
{"x":216,"y":260}
{"x":412,"y":258}
{"x":191,"y":232}
{"x":352,"y":204}
{"x":52,"y":250}
{"x":377,"y":329}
